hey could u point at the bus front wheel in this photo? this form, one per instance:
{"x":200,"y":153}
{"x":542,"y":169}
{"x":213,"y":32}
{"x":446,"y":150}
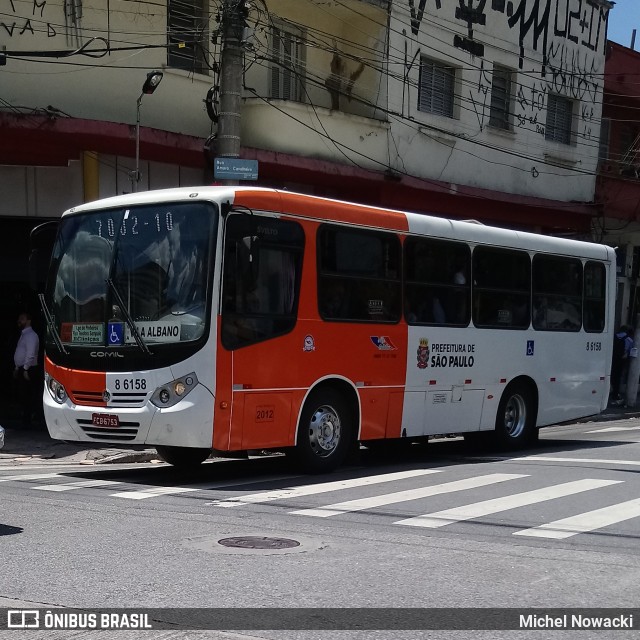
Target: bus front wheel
{"x":324,"y":432}
{"x":183,"y":457}
{"x":515,"y":426}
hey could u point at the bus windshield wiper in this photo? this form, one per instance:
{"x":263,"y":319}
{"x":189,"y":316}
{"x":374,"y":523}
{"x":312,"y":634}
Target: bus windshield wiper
{"x":52,"y":325}
{"x":127,"y":316}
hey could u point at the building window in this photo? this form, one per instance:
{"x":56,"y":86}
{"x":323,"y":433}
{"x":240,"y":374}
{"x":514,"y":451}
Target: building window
{"x":436,"y":88}
{"x":287,"y":63}
{"x":500,"y":114}
{"x":188,"y":35}
{"x":559,"y":116}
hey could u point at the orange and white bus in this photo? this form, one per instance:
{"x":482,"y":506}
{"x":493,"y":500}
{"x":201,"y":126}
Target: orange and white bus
{"x":232,"y":319}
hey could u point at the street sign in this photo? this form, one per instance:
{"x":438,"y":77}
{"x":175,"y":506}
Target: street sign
{"x":235,"y":169}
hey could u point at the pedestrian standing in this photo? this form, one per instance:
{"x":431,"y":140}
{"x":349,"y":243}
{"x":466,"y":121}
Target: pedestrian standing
{"x":622,"y":345}
{"x":25,"y":372}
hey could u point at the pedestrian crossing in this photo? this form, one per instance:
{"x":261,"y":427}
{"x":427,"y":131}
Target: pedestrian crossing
{"x":386,"y":489}
{"x":496,"y":505}
{"x":403,"y":496}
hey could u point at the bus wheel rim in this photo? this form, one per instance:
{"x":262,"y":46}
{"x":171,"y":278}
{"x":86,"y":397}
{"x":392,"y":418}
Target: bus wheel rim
{"x":324,"y":431}
{"x":515,"y":416}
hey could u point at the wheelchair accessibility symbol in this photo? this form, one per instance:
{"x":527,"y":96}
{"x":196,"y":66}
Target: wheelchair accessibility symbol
{"x":115,"y":331}
{"x":530,"y":347}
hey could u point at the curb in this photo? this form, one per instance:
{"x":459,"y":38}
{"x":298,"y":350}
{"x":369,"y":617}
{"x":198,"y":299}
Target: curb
{"x":128,"y":456}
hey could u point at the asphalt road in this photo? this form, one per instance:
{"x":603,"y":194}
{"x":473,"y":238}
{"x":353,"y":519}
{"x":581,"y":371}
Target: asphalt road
{"x":442,"y":526}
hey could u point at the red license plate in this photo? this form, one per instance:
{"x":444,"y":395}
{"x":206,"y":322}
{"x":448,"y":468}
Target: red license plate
{"x":104,"y":420}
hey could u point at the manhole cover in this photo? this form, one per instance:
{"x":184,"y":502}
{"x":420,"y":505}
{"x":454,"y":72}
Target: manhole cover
{"x":257,"y":542}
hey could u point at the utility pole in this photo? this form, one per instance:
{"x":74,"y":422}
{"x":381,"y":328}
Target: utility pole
{"x":234,"y":13}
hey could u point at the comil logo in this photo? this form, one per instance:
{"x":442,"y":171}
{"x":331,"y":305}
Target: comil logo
{"x":23,"y":619}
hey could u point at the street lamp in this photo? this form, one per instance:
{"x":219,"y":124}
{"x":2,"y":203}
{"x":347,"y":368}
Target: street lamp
{"x":150,"y":85}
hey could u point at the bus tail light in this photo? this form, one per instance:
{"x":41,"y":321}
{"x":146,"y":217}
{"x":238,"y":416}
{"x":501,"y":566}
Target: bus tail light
{"x":170,"y":394}
{"x":57,"y":390}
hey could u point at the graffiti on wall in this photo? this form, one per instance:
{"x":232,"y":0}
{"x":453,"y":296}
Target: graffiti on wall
{"x":14,"y":23}
{"x":568,"y":36}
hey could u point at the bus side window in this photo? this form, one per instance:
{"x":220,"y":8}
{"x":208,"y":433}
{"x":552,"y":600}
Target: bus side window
{"x":437,"y":290}
{"x":358,"y":275}
{"x":594,"y":296}
{"x":501,"y":288}
{"x":557,"y":293}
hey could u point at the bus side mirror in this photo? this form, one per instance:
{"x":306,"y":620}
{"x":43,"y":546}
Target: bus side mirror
{"x":41,"y":241}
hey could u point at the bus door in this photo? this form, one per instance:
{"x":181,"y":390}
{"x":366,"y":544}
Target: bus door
{"x":261,"y":280}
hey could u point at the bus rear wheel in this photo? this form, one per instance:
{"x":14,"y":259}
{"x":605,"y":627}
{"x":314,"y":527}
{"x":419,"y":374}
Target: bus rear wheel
{"x":515,"y":426}
{"x":183,"y":457}
{"x":324,"y":432}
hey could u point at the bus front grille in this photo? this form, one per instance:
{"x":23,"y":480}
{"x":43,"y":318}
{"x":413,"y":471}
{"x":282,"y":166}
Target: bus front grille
{"x":87,"y":397}
{"x":128,"y":398}
{"x":96,"y":398}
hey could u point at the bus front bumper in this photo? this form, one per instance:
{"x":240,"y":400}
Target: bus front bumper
{"x":189,"y":423}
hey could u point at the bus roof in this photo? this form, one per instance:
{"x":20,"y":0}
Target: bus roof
{"x":357,"y":214}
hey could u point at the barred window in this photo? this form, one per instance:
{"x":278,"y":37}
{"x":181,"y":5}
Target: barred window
{"x":500,"y":113}
{"x":559,"y":116}
{"x":436,"y":88}
{"x":187,"y":22}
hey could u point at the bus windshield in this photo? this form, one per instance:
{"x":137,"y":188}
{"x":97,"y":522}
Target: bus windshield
{"x":132,"y":277}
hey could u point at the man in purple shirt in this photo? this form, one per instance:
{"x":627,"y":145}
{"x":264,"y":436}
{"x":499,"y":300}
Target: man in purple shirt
{"x":26,"y":367}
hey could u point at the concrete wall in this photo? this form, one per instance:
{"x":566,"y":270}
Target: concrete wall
{"x":100,"y":87}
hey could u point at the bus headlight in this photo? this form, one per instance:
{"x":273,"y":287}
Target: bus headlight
{"x":57,"y":391}
{"x":170,"y":394}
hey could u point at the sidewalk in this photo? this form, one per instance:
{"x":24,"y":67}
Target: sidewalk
{"x":31,"y":445}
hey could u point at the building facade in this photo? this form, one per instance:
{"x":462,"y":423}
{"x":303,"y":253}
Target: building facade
{"x":474,"y":109}
{"x":618,"y":178}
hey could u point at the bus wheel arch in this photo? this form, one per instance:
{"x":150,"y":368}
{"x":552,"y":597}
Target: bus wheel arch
{"x":327,"y":428}
{"x":517,"y":413}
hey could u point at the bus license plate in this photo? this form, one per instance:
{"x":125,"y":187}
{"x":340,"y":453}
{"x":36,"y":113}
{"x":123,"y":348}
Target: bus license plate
{"x":104,"y":420}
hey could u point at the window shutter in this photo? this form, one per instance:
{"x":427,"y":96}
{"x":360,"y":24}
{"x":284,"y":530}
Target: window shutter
{"x":500,"y":98}
{"x":436,"y":88}
{"x":559,"y":112}
{"x":287,"y":67}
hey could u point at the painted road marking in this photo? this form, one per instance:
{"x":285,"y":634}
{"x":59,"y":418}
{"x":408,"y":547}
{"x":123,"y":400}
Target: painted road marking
{"x":404,"y":496}
{"x":585,"y":522}
{"x":80,"y":484}
{"x":151,"y":493}
{"x":610,"y":429}
{"x":496,"y":505}
{"x":635,"y":463}
{"x":32,"y":476}
{"x":321,"y":487}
